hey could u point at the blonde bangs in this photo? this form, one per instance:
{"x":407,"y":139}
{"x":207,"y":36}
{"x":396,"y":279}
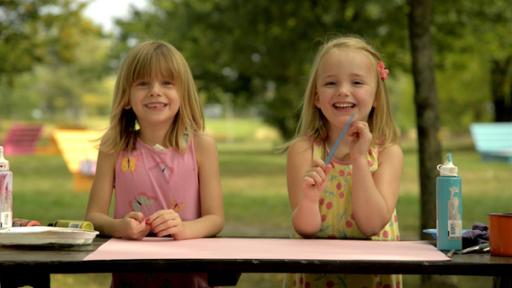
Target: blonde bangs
{"x":154,"y":63}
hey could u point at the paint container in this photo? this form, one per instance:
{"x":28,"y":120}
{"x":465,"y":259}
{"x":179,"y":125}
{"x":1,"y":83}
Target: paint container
{"x":79,"y":224}
{"x":20,"y":222}
{"x":500,"y":233}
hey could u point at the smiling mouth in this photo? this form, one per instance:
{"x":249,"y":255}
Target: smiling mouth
{"x":343,"y":105}
{"x":155,"y":105}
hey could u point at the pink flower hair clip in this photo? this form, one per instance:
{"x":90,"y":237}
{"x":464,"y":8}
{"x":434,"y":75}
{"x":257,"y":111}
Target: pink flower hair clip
{"x":383,"y":72}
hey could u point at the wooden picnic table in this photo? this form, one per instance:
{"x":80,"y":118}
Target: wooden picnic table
{"x":33,"y":266}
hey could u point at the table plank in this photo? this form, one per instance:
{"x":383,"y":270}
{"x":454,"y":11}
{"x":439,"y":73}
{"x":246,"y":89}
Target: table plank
{"x":47,"y":260}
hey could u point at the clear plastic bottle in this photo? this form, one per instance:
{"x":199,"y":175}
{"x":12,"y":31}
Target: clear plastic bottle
{"x":5,"y":192}
{"x":449,"y":206}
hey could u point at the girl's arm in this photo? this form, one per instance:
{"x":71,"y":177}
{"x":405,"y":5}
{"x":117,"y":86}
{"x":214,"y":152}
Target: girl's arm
{"x":374,"y":196}
{"x":131,"y":226}
{"x":211,"y":221}
{"x":306,"y":180}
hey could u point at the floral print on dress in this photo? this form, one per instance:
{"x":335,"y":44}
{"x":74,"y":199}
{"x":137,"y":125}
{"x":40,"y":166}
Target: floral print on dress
{"x":161,"y":171}
{"x":128,"y":164}
{"x":177,"y":207}
{"x":144,"y":203}
{"x":337,"y":222}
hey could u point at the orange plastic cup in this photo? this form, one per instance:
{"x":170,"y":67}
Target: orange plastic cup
{"x":500,"y":233}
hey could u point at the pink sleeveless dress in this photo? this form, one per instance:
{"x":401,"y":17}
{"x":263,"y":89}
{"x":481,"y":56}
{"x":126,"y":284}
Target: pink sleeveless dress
{"x":149,"y":179}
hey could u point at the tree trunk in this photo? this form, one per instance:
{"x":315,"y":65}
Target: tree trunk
{"x":425,"y":100}
{"x":427,"y":118}
{"x":499,"y":82}
{"x":6,"y":98}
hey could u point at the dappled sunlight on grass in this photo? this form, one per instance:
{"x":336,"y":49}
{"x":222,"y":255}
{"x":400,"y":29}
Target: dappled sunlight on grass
{"x":260,"y":185}
{"x":259,"y":215}
{"x":241,"y":130}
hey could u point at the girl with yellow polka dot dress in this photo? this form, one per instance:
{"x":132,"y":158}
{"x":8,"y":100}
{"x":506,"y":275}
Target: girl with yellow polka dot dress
{"x":351,"y":194}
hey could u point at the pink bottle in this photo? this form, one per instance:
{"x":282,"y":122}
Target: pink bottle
{"x":5,"y":192}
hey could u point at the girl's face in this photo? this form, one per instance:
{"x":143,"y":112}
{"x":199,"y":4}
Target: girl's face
{"x":346,"y":83}
{"x":154,"y":101}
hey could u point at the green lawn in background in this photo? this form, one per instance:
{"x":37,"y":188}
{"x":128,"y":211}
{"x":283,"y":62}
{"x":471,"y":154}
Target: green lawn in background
{"x":255,"y":197}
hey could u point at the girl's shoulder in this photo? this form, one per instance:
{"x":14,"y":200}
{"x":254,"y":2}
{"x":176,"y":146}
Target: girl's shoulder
{"x":105,"y":150}
{"x":202,"y":139}
{"x":107,"y":159}
{"x":300,"y":145}
{"x":204,"y":144}
{"x":300,"y":142}
{"x":391,"y":151}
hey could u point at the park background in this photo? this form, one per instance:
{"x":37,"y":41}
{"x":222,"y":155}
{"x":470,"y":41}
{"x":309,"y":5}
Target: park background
{"x":251,"y":61}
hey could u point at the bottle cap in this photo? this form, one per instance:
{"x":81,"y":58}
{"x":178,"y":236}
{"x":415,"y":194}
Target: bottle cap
{"x":448,"y":169}
{"x":4,"y":164}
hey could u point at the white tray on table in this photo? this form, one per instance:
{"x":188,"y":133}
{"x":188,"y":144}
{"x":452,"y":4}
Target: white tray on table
{"x":45,"y":235}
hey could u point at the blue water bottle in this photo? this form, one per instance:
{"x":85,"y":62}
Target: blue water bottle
{"x":449,"y":207}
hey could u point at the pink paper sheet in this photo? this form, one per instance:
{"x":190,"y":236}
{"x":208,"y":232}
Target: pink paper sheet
{"x":251,"y":248}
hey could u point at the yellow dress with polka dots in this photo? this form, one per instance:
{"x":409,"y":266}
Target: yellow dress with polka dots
{"x":338,"y":223}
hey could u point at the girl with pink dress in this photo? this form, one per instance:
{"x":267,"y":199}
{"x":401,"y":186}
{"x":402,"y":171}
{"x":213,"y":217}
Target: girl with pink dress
{"x":155,"y":159}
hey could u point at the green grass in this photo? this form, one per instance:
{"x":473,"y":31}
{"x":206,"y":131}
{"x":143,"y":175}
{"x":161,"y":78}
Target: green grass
{"x":241,"y":130}
{"x":255,"y":197}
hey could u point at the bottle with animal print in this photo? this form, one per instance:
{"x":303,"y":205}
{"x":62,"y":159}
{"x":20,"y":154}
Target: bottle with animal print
{"x":449,"y":206}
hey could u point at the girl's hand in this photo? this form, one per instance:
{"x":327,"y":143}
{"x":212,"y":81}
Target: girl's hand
{"x":315,"y":180}
{"x":133,"y":226}
{"x":361,"y":137}
{"x":166,"y":222}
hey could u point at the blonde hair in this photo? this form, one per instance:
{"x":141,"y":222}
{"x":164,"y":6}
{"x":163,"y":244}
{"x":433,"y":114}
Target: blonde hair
{"x":313,"y":124}
{"x":148,"y":60}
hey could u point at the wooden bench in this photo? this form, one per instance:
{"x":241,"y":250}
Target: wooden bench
{"x":493,"y":140}
{"x":79,"y":148}
{"x":21,"y":139}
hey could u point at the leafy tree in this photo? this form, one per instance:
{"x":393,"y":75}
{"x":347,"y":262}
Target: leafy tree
{"x":261,"y":52}
{"x":65,"y":89}
{"x":52,"y":33}
{"x":497,"y":20}
{"x":20,"y":46}
{"x":476,"y":56}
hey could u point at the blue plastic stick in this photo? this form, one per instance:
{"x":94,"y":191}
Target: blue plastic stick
{"x":338,"y":140}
